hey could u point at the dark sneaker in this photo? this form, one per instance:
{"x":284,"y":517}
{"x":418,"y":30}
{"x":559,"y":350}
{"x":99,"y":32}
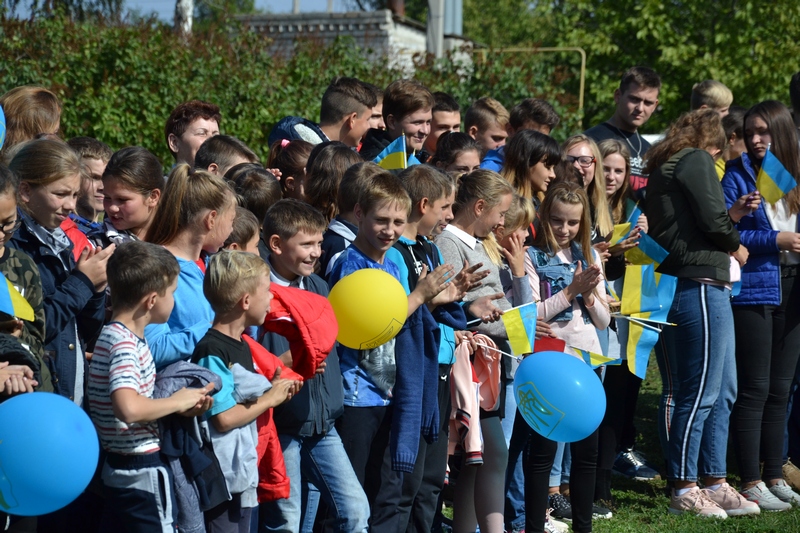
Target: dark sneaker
{"x":598,"y":511}
{"x":632,"y":464}
{"x":561,"y":508}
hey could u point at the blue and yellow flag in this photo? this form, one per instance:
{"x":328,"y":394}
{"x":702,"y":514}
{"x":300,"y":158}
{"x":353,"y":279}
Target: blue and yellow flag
{"x":774,"y":181}
{"x":520,"y":325}
{"x":633,"y":211}
{"x":13,"y":303}
{"x":621,"y":232}
{"x":393,"y":157}
{"x":642,"y":340}
{"x":596,"y":360}
{"x":639,"y":293}
{"x":648,"y":252}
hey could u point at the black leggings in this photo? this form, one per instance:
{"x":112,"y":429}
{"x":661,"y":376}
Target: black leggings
{"x":539,"y":455}
{"x":617,"y":430}
{"x":767,"y":349}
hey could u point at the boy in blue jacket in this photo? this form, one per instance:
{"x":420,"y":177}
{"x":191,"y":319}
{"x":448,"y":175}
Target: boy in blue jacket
{"x":369,"y":375}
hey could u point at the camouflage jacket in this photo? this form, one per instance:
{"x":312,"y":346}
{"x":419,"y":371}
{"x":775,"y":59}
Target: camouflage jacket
{"x":23,"y":274}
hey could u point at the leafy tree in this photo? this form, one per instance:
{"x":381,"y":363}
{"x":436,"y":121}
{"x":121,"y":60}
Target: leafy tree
{"x":742,"y":43}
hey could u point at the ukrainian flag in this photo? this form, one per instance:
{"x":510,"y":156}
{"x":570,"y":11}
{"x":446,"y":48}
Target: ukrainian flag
{"x":648,"y":252}
{"x":642,"y":340}
{"x":13,"y":303}
{"x":394,"y":156}
{"x":520,"y":324}
{"x":774,"y":181}
{"x":596,"y":360}
{"x":639,"y":292}
{"x":621,"y":232}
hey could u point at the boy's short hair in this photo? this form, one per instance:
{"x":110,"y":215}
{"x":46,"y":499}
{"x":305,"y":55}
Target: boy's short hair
{"x":644,"y":77}
{"x":343,"y":97}
{"x":245,"y":228}
{"x":223,"y":150}
{"x":139,"y":268}
{"x":444,"y":102}
{"x":383,"y":188}
{"x":186,"y":113}
{"x":231,"y":274}
{"x":403,"y":97}
{"x":533,"y":109}
{"x":255,"y":186}
{"x":711,"y":93}
{"x":425,"y":181}
{"x":484,"y":112}
{"x":288,"y":217}
{"x":91,"y":148}
{"x":353,"y":182}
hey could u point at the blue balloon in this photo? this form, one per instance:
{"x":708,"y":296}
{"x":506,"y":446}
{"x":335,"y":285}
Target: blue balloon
{"x":559,"y":396}
{"x":2,"y":127}
{"x":48,"y":453}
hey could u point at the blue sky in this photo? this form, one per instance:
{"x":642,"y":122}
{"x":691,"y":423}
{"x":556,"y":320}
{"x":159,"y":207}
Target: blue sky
{"x":165,"y":8}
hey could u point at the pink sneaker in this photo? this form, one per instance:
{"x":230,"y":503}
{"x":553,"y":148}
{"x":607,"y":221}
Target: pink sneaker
{"x":695,"y":501}
{"x":733,"y":503}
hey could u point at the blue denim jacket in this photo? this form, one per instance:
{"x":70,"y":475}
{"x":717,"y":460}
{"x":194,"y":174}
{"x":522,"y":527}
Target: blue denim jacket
{"x":558,"y":275}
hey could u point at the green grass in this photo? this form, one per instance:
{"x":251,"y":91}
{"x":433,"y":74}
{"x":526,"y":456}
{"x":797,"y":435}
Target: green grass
{"x":641,"y":506}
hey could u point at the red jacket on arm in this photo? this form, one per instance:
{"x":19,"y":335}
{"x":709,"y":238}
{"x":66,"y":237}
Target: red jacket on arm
{"x":273,"y":483}
{"x":307,"y":321}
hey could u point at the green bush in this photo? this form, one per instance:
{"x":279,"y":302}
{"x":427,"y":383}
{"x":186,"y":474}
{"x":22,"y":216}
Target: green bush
{"x":119,"y":82}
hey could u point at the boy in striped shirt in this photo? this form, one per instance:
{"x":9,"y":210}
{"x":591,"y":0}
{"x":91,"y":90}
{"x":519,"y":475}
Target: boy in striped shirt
{"x":138,"y":486}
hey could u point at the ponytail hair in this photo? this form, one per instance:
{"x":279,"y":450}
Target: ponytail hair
{"x":186,"y":196}
{"x":290,"y":157}
{"x":482,"y":184}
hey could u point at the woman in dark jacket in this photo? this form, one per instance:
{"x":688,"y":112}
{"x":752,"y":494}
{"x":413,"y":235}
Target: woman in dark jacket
{"x":766,"y":312}
{"x":688,"y":217}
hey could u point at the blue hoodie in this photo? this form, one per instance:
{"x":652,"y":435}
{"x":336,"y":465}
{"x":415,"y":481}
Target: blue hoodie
{"x":190,"y":319}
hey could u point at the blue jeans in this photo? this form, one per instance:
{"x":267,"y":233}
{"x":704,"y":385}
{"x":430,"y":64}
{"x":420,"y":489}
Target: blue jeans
{"x":515,"y":475}
{"x":321,"y":460}
{"x":700,"y":354}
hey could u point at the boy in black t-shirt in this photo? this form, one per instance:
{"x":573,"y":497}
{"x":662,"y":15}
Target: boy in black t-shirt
{"x":636,"y":99}
{"x":237,"y":287}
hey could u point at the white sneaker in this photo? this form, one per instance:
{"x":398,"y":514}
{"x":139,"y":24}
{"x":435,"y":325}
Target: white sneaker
{"x":765,"y":499}
{"x":733,"y":503}
{"x":695,"y":501}
{"x":785,"y":493}
{"x":552,"y":525}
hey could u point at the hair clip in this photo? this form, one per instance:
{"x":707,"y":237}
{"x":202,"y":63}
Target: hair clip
{"x":285,"y":142}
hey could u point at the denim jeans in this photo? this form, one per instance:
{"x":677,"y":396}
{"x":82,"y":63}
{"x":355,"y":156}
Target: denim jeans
{"x":516,"y":431}
{"x":321,"y":460}
{"x":700,"y":359}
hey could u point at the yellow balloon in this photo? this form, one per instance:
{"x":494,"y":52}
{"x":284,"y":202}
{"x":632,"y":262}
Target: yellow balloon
{"x":370,"y":306}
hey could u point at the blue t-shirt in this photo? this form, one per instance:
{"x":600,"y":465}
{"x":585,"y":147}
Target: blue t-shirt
{"x":368,"y":376}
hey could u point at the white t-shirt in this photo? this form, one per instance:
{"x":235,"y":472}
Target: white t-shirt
{"x":121,"y":360}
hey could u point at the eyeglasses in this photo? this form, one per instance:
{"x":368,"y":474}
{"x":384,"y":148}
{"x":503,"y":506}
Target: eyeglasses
{"x":583,"y":160}
{"x":10,"y":227}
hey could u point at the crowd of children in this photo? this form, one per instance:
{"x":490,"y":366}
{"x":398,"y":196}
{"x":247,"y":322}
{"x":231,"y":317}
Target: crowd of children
{"x":188,"y":313}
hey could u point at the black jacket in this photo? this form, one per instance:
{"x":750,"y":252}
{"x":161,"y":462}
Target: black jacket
{"x":374,"y":142}
{"x":687,"y":216}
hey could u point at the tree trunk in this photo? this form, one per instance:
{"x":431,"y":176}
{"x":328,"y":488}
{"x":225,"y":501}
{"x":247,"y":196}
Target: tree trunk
{"x":184,"y":10}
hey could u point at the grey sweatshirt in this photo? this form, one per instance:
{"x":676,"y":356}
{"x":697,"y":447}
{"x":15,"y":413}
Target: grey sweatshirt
{"x":456,"y":246}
